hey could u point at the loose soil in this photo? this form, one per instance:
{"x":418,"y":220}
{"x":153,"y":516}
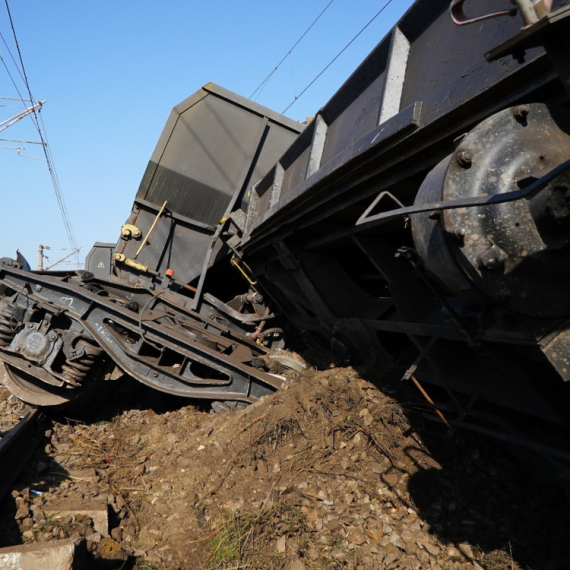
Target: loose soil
{"x":337,"y":471}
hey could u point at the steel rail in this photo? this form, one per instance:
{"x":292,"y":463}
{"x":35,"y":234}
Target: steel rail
{"x":17,"y":446}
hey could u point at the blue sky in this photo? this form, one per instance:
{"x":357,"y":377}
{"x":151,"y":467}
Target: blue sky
{"x":110,"y":73}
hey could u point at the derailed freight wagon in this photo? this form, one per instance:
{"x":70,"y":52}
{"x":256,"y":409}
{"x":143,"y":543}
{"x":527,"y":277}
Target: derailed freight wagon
{"x":422,"y":218}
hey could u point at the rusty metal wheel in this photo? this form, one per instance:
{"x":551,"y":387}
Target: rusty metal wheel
{"x":27,"y":387}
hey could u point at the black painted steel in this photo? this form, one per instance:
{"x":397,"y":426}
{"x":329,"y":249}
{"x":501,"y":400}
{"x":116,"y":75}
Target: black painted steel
{"x":405,"y":212}
{"x":513,"y":253}
{"x":213,"y":147}
{"x":163,"y":345}
{"x":487,"y":256}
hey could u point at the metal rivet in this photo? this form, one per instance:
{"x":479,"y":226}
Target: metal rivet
{"x":464,"y":159}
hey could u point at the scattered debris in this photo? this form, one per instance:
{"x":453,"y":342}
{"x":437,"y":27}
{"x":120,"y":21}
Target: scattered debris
{"x":329,"y":473}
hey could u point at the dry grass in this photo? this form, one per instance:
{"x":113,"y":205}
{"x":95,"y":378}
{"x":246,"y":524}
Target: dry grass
{"x":111,"y":459}
{"x":249,"y":539}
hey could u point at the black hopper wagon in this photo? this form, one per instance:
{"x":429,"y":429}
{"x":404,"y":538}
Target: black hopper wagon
{"x":422,"y":218}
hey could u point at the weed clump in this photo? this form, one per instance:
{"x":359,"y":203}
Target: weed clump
{"x":250,"y":539}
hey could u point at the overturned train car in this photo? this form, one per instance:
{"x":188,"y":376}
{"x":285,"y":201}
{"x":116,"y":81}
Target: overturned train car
{"x":421,"y":219}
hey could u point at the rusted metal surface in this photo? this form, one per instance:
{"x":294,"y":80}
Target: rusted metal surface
{"x":459,"y":17}
{"x":17,"y":446}
{"x":158,"y":343}
{"x":513,"y":252}
{"x":427,"y":200}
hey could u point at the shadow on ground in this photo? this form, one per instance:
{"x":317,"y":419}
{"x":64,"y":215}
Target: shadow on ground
{"x":481,"y":494}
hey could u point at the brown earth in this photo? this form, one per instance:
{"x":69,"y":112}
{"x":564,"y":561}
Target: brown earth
{"x":330,"y":473}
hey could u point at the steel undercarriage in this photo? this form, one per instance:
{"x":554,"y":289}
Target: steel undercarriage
{"x":421,"y":220}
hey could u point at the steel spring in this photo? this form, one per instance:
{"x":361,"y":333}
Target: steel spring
{"x":75,"y":371}
{"x":8,"y":327}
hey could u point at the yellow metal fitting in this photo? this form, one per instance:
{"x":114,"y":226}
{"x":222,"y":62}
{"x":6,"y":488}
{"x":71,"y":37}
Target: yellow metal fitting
{"x":120,"y":258}
{"x":130,"y":231}
{"x":235,"y":263}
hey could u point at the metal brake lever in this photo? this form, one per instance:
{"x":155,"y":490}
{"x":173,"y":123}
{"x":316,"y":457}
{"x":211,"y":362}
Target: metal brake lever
{"x":459,"y":17}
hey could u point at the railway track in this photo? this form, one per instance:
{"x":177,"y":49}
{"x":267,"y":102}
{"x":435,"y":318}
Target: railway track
{"x":20,"y":433}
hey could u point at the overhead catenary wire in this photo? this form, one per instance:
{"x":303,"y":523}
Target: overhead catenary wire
{"x":262,"y":85}
{"x":22,"y":75}
{"x":338,"y":55}
{"x":12,"y":79}
{"x":10,"y":52}
{"x":40,"y":127}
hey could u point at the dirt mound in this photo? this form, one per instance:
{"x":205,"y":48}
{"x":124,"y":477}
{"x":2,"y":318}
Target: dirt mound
{"x":329,"y":473}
